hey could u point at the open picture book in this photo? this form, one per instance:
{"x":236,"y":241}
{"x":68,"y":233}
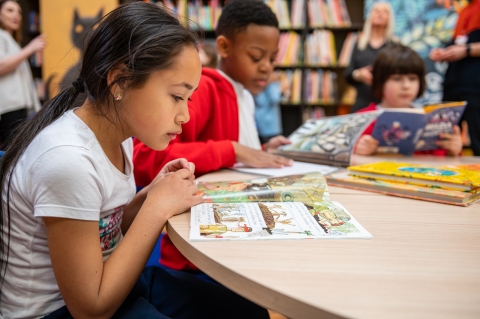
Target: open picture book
{"x":331,"y":140}
{"x":328,"y":140}
{"x":288,"y":207}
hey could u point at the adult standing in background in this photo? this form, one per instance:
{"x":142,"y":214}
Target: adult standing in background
{"x":462,"y":80}
{"x":377,"y":33}
{"x":17,"y":90}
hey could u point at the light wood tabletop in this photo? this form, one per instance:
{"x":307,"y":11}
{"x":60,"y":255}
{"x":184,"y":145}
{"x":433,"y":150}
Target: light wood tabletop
{"x":422,"y":262}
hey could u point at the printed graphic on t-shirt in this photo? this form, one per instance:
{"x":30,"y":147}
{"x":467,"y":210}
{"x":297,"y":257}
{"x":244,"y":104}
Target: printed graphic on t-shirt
{"x":109,"y":227}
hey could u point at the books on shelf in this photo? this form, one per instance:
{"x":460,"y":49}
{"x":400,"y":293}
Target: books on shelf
{"x":288,"y":207}
{"x":328,"y":13}
{"x":328,"y":140}
{"x":449,"y":184}
{"x":406,"y":130}
{"x":200,"y":15}
{"x":291,"y":79}
{"x":320,"y":87}
{"x":320,"y":49}
{"x":294,"y":18}
{"x":289,"y":48}
{"x":298,"y":14}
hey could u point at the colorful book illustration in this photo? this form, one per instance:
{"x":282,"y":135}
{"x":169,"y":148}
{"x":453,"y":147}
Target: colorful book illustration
{"x":405,"y":130}
{"x":327,"y":140}
{"x":449,"y":184}
{"x":447,"y":176}
{"x":288,"y":207}
{"x":433,"y":194}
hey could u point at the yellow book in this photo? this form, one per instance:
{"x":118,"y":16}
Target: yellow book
{"x":448,"y":177}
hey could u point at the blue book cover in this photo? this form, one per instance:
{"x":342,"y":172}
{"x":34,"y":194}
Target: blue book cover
{"x":440,"y":118}
{"x":398,"y":130}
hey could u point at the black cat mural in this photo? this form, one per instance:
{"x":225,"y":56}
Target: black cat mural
{"x":81,"y":30}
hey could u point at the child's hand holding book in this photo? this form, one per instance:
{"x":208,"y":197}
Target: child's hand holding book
{"x":452,"y":143}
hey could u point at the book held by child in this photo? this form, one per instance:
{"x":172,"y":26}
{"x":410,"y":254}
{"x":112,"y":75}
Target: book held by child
{"x":407,"y":130}
{"x":287,"y":207}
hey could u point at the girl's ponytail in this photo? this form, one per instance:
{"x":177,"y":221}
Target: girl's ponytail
{"x":23,"y":135}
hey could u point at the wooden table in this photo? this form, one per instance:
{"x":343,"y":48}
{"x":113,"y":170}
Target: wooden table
{"x":423,"y":261}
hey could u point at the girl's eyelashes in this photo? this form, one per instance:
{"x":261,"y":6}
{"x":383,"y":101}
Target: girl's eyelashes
{"x":179,"y":98}
{"x":190,"y":99}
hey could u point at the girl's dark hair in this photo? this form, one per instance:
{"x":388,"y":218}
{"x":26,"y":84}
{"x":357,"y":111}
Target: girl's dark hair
{"x":17,"y":35}
{"x":396,"y":59}
{"x":139,"y":38}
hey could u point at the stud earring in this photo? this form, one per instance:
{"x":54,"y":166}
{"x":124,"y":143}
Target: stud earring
{"x":118,"y":96}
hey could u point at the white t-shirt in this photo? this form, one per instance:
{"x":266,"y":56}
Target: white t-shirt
{"x":63,"y":173}
{"x":248,"y":134}
{"x":17,"y":89}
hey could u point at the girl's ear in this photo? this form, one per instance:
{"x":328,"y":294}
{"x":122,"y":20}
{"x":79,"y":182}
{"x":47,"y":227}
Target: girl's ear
{"x":115,"y":82}
{"x":223,"y":46}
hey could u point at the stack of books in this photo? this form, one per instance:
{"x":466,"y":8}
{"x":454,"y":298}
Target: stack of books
{"x":449,"y":184}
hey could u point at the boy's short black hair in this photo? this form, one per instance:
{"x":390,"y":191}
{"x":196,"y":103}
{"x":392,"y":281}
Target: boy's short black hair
{"x":238,"y":14}
{"x":396,"y":59}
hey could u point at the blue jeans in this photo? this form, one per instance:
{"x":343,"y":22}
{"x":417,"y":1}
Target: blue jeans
{"x":166,"y":294}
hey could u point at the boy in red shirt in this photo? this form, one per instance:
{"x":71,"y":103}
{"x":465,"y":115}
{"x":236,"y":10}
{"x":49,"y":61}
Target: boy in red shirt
{"x":221,"y":130}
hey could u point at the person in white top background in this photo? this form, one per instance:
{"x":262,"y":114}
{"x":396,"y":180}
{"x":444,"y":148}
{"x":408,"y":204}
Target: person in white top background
{"x":75,"y":235}
{"x":17,"y":90}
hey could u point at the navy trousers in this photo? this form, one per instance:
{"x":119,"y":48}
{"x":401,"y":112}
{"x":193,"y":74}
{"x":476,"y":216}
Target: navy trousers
{"x":171,"y":294}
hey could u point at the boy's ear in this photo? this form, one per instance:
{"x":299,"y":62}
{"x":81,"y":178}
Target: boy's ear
{"x":224,"y":46}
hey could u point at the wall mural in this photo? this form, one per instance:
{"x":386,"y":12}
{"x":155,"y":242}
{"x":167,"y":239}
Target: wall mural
{"x":424,"y":25}
{"x":67,"y":25}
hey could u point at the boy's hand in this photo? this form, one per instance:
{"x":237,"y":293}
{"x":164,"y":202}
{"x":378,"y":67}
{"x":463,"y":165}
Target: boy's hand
{"x":256,"y":158}
{"x":366,"y":145}
{"x":452,"y":143}
{"x":275,"y":142}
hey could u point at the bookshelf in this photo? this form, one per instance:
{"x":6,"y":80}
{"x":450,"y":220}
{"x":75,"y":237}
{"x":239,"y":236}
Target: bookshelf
{"x":312,"y":57}
{"x":322,"y":59}
{"x":31,"y":29}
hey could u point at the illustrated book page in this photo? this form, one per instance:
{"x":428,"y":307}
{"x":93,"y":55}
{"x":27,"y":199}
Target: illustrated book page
{"x":272,"y":220}
{"x":328,"y":140}
{"x":446,"y":176}
{"x":286,"y":207}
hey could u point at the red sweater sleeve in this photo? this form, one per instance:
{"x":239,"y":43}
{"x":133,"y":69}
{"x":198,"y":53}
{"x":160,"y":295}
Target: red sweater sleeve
{"x":206,"y":139}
